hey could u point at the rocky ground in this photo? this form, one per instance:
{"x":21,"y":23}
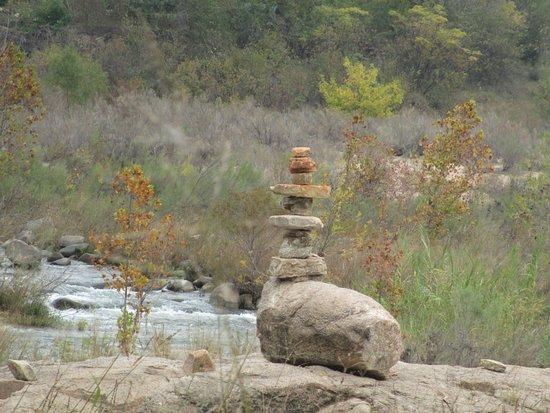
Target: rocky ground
{"x":250,"y":383}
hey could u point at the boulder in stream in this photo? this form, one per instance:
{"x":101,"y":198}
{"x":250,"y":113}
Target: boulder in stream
{"x":22,"y":254}
{"x":181,"y":286}
{"x":66,"y":303}
{"x":202,"y":280}
{"x":225,"y":295}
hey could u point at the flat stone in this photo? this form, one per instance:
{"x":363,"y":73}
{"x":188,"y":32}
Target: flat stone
{"x":302,"y":179}
{"x":62,"y":262}
{"x":286,"y":268}
{"x":67,"y":240}
{"x":296,"y":205}
{"x":198,"y":361}
{"x":74,"y":249}
{"x":492,"y":365}
{"x":301,"y":165}
{"x":295,"y":222}
{"x":21,"y":370}
{"x":54,"y":256}
{"x":88,"y":258}
{"x":301,"y":152}
{"x":302,"y":191}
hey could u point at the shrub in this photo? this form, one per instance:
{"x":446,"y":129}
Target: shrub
{"x":52,"y":14}
{"x":79,"y":77}
{"x":361,"y":93}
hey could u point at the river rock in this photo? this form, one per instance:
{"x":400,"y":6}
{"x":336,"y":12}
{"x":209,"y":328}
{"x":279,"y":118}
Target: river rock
{"x":88,"y":258}
{"x":54,"y":256}
{"x":21,"y":370}
{"x":208,"y":287}
{"x":225,"y":295}
{"x":181,"y":286}
{"x":67,"y":240}
{"x":291,"y":222}
{"x":22,"y":254}
{"x":312,"y":322}
{"x":62,"y":262}
{"x":302,"y":191}
{"x":297,"y":268}
{"x":65,"y":303}
{"x":198,"y":361}
{"x":492,"y":365}
{"x":74,"y":249}
{"x":202,"y":280}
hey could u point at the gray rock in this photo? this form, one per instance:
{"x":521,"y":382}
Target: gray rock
{"x":295,"y":248}
{"x":492,"y":365}
{"x":22,"y":254}
{"x":62,"y":262}
{"x":202,"y":280}
{"x":295,"y":222}
{"x":298,"y":206}
{"x":21,"y":370}
{"x":74,"y":249}
{"x":88,"y":258}
{"x":65,"y":303}
{"x":297,"y":268}
{"x":246,"y":302}
{"x":54,"y":256}
{"x":26,"y":236}
{"x":67,"y":240}
{"x":208,"y":287}
{"x":184,"y":286}
{"x":225,"y":295}
{"x":312,"y":322}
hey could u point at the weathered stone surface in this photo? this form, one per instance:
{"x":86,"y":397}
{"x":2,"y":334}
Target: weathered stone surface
{"x":74,"y":249}
{"x":184,"y":286}
{"x":66,"y":303}
{"x":296,"y":247}
{"x":301,"y":165}
{"x":302,"y":179}
{"x":295,"y":222}
{"x":67,"y":240}
{"x":286,"y":268}
{"x":54,"y":256}
{"x":198,"y":361}
{"x":62,"y":262}
{"x":88,"y":258}
{"x":312,"y":322}
{"x":303,"y":191}
{"x":492,"y":365}
{"x":21,"y":254}
{"x":298,"y":206}
{"x":353,"y":405}
{"x":26,"y":236}
{"x":21,"y":370}
{"x":202,"y":280}
{"x":8,"y":387}
{"x":225,"y":295}
{"x":301,"y":152}
{"x":158,"y":385}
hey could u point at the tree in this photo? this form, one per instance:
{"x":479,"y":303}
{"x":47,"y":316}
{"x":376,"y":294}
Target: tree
{"x":361,"y":93}
{"x":80,"y":77}
{"x":428,"y":51}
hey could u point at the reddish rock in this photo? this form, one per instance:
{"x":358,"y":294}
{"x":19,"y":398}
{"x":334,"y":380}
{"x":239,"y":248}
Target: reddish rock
{"x":302,"y":179}
{"x":302,"y":191}
{"x":301,"y":152}
{"x":302,"y":165}
{"x":198,"y":361}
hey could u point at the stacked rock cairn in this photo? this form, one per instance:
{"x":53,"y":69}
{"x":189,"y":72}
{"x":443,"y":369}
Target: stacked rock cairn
{"x":296,"y":262}
{"x":302,"y":320}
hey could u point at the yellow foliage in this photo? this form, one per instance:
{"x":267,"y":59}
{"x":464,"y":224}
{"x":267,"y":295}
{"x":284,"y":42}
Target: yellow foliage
{"x":361,"y":93}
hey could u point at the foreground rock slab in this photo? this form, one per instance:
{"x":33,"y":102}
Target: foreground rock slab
{"x":157,"y":385}
{"x":22,"y":254}
{"x":21,"y":370}
{"x":312,"y":322}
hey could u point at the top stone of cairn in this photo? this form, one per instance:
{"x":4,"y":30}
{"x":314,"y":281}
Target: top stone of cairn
{"x":301,"y":152}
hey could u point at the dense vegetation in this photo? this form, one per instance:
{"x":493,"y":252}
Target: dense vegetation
{"x":209,"y":95}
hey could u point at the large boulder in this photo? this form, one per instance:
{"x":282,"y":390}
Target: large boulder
{"x":67,"y":240}
{"x":21,"y":370}
{"x":312,"y":322}
{"x":180,"y":286}
{"x":202,"y":280}
{"x":22,"y":254}
{"x":225,"y":295}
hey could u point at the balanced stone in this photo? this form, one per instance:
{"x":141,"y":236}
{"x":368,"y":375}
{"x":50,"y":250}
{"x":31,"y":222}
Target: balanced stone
{"x":301,"y":152}
{"x":294,"y":248}
{"x":302,"y":191}
{"x":301,"y":165}
{"x":295,"y":222}
{"x":312,"y":322}
{"x":493,"y":365}
{"x":302,"y":179}
{"x":286,"y":268}
{"x":296,"y":205}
